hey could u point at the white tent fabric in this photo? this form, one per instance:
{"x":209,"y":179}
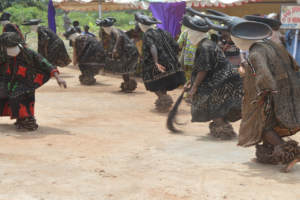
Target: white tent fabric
{"x":92,"y":5}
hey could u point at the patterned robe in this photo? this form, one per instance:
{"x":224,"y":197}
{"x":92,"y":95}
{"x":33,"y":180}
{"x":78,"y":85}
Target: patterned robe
{"x":57,"y":52}
{"x":90,"y":55}
{"x":18,"y":82}
{"x":220,"y":93}
{"x":272,"y":69}
{"x":13,"y":28}
{"x":126,"y":62}
{"x":166,"y":46}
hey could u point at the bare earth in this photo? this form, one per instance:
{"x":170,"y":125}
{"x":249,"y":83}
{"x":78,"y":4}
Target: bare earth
{"x":95,"y":142}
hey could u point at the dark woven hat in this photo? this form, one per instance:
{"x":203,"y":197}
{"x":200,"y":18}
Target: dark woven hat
{"x":69,"y":32}
{"x":236,"y":26}
{"x":273,"y":23}
{"x":145,"y":19}
{"x":106,"y":22}
{"x":32,"y":22}
{"x":195,"y":23}
{"x":10,"y":39}
{"x":5,"y":16}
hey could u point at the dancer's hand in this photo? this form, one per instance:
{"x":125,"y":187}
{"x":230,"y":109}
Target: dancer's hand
{"x":61,"y":82}
{"x":115,"y":54}
{"x":192,"y":93}
{"x":160,"y":68}
{"x":187,"y":87}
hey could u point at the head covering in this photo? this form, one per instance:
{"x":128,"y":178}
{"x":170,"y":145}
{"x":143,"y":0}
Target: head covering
{"x":106,"y":22}
{"x":272,"y":15}
{"x":78,"y":29}
{"x":69,"y":32}
{"x":11,"y":39}
{"x":195,"y":23}
{"x":5,"y":16}
{"x":273,"y":23}
{"x":32,"y":22}
{"x":236,"y":26}
{"x":145,"y":19}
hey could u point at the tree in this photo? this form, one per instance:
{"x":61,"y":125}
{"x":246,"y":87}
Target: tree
{"x":42,"y":4}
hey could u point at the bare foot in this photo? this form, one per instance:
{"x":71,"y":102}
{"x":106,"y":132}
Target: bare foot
{"x":290,"y":164}
{"x":254,"y":160}
{"x":208,"y":134}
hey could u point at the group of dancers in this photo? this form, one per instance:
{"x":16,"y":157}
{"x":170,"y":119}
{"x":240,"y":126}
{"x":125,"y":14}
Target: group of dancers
{"x":266,"y":98}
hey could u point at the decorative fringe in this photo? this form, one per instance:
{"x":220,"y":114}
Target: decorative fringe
{"x":129,"y":86}
{"x":286,"y":151}
{"x":87,"y":80}
{"x":164,"y":103}
{"x":225,"y":131}
{"x":264,"y":154}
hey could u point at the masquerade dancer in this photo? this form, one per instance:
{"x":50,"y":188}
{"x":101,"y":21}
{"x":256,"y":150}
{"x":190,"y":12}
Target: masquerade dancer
{"x":88,"y":54}
{"x":50,"y":46}
{"x":271,"y":107}
{"x":161,"y":70}
{"x":8,"y":26}
{"x":22,"y":71}
{"x":216,"y":89}
{"x":122,"y":57}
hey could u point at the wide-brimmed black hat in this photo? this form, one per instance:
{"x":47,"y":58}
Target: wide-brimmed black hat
{"x":106,"y":22}
{"x":69,"y":32}
{"x":236,"y":26}
{"x":195,"y":23}
{"x":273,"y":23}
{"x":32,"y":22}
{"x":5,"y":16}
{"x":145,"y":19}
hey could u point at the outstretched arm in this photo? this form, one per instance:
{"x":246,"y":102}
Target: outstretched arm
{"x":153,"y":50}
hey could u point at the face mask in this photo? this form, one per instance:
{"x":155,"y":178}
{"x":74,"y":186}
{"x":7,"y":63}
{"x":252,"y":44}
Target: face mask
{"x":74,"y":36}
{"x":196,"y":36}
{"x":34,"y":28}
{"x":3,"y":23}
{"x":145,"y":28}
{"x":13,"y":51}
{"x":108,"y":29}
{"x":243,"y":44}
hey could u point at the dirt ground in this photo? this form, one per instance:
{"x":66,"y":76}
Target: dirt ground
{"x":95,"y":142}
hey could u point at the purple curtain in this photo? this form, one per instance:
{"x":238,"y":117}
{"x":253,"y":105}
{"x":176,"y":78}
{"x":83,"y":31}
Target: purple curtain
{"x":170,"y":14}
{"x":51,"y":16}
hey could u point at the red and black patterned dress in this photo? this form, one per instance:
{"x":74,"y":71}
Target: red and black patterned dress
{"x":18,"y":82}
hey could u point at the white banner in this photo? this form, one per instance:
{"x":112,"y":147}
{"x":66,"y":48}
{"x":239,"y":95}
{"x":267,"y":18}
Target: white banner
{"x":290,"y":16}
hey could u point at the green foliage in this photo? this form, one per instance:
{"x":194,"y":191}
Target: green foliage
{"x":125,"y":19}
{"x":20,"y":13}
{"x":40,"y":4}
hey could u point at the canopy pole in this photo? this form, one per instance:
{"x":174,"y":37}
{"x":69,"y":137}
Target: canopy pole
{"x":100,"y":32}
{"x":296,"y":44}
